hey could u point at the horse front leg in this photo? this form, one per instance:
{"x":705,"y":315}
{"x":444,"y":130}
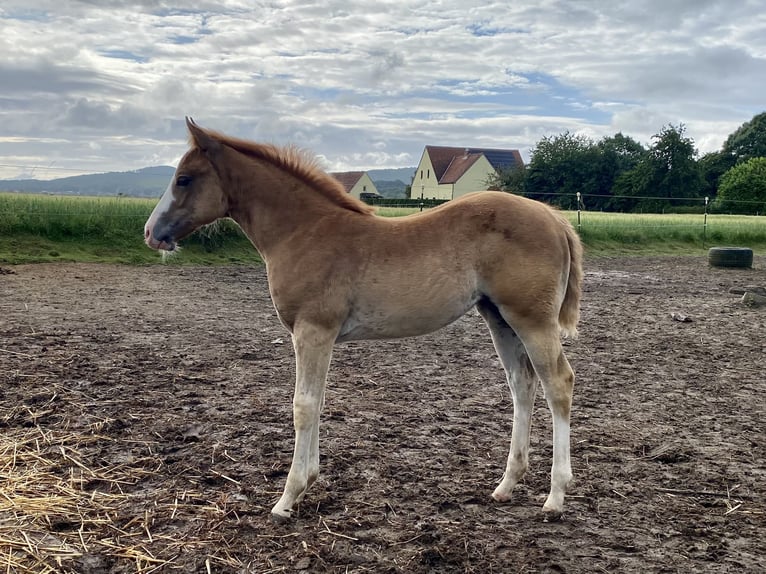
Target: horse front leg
{"x":522,"y":381}
{"x":313,"y":351}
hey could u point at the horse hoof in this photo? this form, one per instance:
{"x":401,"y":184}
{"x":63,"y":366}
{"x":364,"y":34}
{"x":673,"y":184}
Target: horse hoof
{"x":281,"y":516}
{"x":552,"y":515}
{"x":500,"y":496}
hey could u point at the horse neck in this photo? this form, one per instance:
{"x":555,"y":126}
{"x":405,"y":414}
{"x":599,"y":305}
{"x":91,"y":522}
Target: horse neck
{"x":271,"y":204}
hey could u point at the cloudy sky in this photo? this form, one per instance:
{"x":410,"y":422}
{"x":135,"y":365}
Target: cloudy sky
{"x":101,"y":85}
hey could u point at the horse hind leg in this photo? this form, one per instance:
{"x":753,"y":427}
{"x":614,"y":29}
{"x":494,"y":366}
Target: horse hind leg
{"x":522,"y":381}
{"x":535,"y":342}
{"x":543,"y":345}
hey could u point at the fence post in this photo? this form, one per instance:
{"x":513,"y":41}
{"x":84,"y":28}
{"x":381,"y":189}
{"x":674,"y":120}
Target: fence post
{"x":579,"y":204}
{"x":704,"y":224}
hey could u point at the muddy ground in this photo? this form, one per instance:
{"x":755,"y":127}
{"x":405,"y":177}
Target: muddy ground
{"x":168,"y":389}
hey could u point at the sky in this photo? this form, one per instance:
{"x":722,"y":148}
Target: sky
{"x":104,"y":85}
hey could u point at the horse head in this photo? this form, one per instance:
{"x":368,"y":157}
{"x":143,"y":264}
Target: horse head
{"x":193,"y":198}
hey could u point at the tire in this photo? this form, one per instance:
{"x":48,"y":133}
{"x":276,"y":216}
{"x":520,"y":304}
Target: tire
{"x":730,"y":257}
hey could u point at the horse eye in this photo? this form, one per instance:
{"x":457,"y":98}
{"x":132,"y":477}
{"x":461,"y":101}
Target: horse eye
{"x":183,"y":180}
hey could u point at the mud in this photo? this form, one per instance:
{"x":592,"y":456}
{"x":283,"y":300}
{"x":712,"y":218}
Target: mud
{"x":182,"y":379}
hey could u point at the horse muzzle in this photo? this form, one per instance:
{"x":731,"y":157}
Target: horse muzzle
{"x":158,"y":241}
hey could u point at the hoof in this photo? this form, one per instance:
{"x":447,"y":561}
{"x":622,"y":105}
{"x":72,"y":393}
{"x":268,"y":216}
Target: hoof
{"x":501,"y":496}
{"x":552,"y":515}
{"x":281,"y":516}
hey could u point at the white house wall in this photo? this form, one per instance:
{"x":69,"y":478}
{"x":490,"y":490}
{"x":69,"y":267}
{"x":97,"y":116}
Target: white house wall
{"x":364,"y":185}
{"x":425,"y":182}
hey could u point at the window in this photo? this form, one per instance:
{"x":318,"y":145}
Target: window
{"x":421,"y":174}
{"x":428,"y":174}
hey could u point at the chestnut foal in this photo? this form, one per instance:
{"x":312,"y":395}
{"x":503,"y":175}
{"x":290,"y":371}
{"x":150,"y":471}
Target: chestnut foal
{"x":337,"y":272}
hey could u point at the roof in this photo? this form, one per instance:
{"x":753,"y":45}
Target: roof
{"x":348,"y":178}
{"x":450,"y":163}
{"x":458,"y":166}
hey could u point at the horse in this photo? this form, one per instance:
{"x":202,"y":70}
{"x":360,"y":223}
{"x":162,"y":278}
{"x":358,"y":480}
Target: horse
{"x":337,"y":272}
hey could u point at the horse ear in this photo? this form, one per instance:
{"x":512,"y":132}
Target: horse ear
{"x":201,"y":139}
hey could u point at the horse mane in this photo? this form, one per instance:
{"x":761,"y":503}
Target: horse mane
{"x":300,"y":163}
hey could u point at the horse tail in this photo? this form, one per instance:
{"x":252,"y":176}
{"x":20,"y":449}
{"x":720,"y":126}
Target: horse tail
{"x":569,"y":314}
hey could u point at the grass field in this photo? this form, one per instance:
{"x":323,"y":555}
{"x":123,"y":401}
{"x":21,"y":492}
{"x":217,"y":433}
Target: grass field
{"x":36,"y":228}
{"x":614,"y":233}
{"x":667,"y":233}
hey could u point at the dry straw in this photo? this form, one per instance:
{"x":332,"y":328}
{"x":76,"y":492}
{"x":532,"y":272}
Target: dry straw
{"x":57,"y":513}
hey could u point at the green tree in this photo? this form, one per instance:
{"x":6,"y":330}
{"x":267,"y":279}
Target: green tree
{"x":623,"y":152}
{"x":748,"y":141}
{"x":560,"y":166}
{"x":511,"y":179}
{"x":712,"y":166}
{"x":742,"y":189}
{"x":618,"y":154}
{"x":668,"y":170}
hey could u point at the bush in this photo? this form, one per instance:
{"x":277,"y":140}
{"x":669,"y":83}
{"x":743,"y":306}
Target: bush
{"x":742,"y":189}
{"x":394,"y":202}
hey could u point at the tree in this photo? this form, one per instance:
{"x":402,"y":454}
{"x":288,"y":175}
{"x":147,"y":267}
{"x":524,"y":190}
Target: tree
{"x":510,"y":179}
{"x":618,"y":154}
{"x":742,"y":189}
{"x":668,"y":170}
{"x":622,"y":152}
{"x":748,"y":141}
{"x":560,"y":166}
{"x":712,"y":166}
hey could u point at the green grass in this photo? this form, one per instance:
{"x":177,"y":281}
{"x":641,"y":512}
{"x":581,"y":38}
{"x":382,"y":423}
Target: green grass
{"x":625,"y":233}
{"x":39,"y":228}
{"x":632,"y":233}
{"x":395,"y":211}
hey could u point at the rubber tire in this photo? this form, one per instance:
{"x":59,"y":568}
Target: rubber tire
{"x":730,"y":257}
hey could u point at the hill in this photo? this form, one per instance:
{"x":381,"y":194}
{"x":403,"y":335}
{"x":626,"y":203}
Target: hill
{"x":403,"y":174}
{"x":392,"y":183}
{"x":146,"y":182}
{"x":152,"y":181}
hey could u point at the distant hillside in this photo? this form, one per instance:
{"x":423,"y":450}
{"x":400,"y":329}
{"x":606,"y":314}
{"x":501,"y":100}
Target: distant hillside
{"x":146,"y":182}
{"x":403,"y":174}
{"x":152,"y":181}
{"x":391,"y":189}
{"x":392,"y":183}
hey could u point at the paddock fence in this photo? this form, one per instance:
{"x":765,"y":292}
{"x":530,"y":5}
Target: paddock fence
{"x":695,"y":221}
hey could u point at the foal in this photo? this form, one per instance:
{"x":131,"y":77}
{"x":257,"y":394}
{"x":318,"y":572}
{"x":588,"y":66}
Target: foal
{"x":338,"y":273}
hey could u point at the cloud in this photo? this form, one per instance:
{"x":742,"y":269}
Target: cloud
{"x":361,"y":82}
{"x":43,"y":78}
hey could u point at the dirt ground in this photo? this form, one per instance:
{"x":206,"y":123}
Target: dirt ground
{"x":158,"y":399}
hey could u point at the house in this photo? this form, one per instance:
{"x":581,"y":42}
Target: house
{"x":357,"y":183}
{"x":449,"y":172}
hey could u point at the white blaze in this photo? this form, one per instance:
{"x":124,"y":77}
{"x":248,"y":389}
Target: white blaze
{"x":162,"y":207}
